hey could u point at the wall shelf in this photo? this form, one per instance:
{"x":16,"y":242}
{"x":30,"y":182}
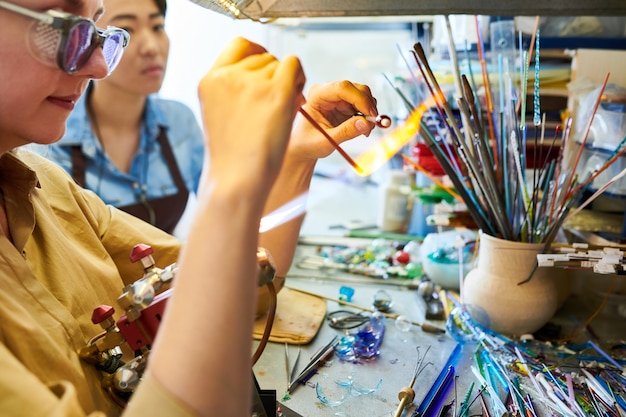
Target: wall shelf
{"x":269,"y":9}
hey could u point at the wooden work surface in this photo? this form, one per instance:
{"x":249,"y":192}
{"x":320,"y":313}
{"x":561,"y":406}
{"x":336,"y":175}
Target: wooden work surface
{"x":298,"y":318}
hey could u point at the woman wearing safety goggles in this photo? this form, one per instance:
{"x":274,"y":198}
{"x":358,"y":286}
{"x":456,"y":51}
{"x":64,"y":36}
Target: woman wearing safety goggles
{"x":63,"y":252}
{"x":144,"y":154}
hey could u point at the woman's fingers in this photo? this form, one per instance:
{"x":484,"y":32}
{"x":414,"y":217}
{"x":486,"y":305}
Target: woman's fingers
{"x":237,"y":49}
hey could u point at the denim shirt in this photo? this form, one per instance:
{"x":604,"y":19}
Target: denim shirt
{"x":148,"y":169}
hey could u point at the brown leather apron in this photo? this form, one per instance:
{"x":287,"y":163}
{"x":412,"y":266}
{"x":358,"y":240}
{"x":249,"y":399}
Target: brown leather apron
{"x":164,"y":212}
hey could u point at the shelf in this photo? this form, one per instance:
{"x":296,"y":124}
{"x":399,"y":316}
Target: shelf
{"x":269,"y":9}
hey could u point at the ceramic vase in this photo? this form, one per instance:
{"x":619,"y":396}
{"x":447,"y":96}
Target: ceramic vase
{"x":491,"y":287}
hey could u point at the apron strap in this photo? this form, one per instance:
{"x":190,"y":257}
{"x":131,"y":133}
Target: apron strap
{"x":164,"y":212}
{"x":168,"y":155}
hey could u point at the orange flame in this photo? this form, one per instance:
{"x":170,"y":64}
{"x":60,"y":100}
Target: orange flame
{"x":378,"y":154}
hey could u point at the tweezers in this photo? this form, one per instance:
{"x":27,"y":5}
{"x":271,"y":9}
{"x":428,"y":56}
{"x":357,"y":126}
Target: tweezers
{"x":291,"y":369}
{"x":317,"y":359}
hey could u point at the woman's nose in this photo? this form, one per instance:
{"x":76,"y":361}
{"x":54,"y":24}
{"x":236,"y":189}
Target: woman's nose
{"x":148,"y":43}
{"x":96,"y":66}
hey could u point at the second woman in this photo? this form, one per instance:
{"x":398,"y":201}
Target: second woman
{"x":138,"y":152}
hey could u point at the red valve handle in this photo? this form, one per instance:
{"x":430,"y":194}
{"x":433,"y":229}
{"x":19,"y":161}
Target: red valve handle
{"x":140,"y":251}
{"x":101,"y":313}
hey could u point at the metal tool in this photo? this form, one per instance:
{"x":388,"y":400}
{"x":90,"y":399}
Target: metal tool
{"x":381,"y":120}
{"x":291,"y":369}
{"x":344,"y":319}
{"x":407,"y":394}
{"x":316,"y":361}
{"x":320,"y":263}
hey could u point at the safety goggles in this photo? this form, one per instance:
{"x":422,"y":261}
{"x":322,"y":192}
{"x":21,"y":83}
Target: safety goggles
{"x":61,"y":39}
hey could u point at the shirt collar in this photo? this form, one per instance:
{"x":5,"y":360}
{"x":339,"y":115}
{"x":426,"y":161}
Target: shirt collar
{"x":15,"y":172}
{"x":79,"y":131}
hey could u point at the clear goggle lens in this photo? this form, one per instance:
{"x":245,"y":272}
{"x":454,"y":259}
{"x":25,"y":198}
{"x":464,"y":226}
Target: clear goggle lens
{"x":71,"y":52}
{"x":113,"y":46}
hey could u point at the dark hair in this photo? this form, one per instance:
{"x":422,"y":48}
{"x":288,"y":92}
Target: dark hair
{"x":162,"y":5}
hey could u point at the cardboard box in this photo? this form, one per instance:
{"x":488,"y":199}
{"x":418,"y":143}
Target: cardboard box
{"x":593,"y":64}
{"x":589,"y":69}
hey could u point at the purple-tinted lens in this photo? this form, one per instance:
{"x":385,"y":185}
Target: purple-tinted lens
{"x":113,"y":48}
{"x":80,"y":44}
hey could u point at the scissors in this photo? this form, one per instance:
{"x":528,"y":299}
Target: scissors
{"x":344,"y":319}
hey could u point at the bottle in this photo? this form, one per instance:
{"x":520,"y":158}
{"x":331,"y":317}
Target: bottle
{"x":394,"y":213}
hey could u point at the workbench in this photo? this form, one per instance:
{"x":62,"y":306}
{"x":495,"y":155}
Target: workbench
{"x":395,"y":366}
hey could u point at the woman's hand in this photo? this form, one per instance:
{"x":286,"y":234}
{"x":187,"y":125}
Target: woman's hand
{"x":249,"y":100}
{"x":333,"y":106}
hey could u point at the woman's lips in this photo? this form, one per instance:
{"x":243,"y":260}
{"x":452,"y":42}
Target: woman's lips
{"x":153,"y":70}
{"x":67,"y":102}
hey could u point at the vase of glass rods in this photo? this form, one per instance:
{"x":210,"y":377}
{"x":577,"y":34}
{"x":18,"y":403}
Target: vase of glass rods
{"x":492,"y":288}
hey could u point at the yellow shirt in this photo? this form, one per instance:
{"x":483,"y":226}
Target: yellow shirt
{"x":70,"y":253}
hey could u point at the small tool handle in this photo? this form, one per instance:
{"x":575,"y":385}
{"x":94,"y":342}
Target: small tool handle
{"x":429,"y":328}
{"x":406,"y":396}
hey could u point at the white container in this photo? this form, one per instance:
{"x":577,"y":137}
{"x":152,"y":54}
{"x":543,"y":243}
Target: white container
{"x":439,"y":256}
{"x":493,"y":286}
{"x":393,"y":209}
